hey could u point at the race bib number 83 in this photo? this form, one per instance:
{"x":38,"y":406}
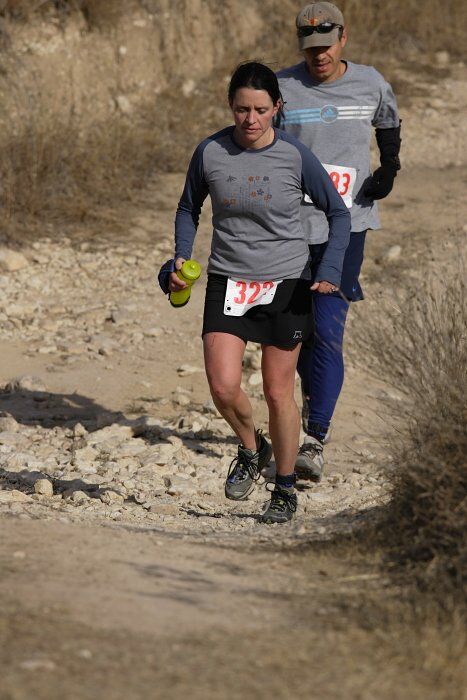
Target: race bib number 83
{"x":343,"y":178}
{"x":242,"y":295}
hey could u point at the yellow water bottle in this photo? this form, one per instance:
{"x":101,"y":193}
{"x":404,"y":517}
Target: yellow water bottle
{"x":189,"y":273}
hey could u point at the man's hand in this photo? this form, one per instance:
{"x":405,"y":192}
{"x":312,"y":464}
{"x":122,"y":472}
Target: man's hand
{"x":324,"y":287}
{"x":381,"y":182}
{"x":175,"y":283}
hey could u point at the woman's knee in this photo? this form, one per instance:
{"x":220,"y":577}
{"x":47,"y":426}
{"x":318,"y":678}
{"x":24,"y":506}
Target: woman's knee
{"x":278,"y":394}
{"x":224,"y":392}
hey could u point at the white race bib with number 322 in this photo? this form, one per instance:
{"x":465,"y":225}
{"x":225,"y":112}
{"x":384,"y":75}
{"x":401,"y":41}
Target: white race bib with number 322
{"x":242,"y":295}
{"x":343,"y":178}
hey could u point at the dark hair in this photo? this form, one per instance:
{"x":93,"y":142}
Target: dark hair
{"x":253,"y":74}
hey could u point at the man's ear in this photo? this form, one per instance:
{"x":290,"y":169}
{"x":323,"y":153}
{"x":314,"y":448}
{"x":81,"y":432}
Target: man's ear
{"x":343,"y":38}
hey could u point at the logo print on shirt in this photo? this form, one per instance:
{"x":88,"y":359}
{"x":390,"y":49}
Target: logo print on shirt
{"x":297,"y":335}
{"x":329,"y":114}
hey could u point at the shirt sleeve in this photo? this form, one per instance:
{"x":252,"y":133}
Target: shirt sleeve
{"x":386,"y":115}
{"x":189,"y":207}
{"x":317,"y":184}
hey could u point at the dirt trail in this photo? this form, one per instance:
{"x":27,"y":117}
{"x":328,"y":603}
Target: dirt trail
{"x":124,"y":573}
{"x":113,"y":594}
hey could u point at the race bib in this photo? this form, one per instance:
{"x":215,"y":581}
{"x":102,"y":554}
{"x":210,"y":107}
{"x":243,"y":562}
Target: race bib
{"x":242,"y":295}
{"x":343,"y":179}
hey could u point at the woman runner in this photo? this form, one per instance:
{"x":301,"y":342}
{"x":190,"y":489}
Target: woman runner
{"x":258,"y":285}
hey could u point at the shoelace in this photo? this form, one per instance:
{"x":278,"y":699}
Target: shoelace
{"x":244,"y":467}
{"x":280,"y":501}
{"x":311,"y":447}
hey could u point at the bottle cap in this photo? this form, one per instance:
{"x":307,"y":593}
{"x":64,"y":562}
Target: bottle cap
{"x":191,"y":270}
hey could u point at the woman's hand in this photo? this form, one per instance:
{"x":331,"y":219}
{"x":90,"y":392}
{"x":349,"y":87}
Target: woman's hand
{"x":175,"y":283}
{"x":324,"y":287}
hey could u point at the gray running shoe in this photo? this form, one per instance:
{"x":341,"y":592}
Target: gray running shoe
{"x":282,"y":506}
{"x":245,"y":469}
{"x":310,"y":461}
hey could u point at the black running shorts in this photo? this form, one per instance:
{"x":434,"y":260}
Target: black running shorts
{"x":286,"y":321}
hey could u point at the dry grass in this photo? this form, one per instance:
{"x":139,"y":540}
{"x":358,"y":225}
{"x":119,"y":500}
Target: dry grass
{"x":421,"y":350}
{"x":399,"y":26}
{"x":55,"y":169}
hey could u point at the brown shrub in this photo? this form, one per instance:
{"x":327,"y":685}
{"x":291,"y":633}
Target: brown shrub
{"x":421,"y":349}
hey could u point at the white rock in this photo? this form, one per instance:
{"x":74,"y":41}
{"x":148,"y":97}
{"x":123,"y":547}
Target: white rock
{"x":79,"y":430}
{"x":79,"y":497}
{"x":85,"y":454}
{"x":124,"y":104}
{"x":44,"y":487}
{"x":188,"y":87}
{"x":13,"y":496}
{"x":392,"y":253}
{"x":8,"y":424}
{"x":185,"y":370}
{"x":179,"y":485}
{"x":26,"y":382}
{"x":255,"y":379}
{"x":111,"y":497}
{"x":11,"y":260}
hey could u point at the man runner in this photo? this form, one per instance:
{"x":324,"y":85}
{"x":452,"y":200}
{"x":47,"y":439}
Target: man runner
{"x":332,"y":106}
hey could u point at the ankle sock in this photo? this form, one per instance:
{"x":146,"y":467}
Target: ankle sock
{"x":317,"y":431}
{"x":287,"y":481}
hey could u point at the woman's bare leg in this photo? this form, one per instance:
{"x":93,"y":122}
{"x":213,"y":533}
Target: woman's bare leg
{"x":278,"y":367}
{"x":223,"y":355}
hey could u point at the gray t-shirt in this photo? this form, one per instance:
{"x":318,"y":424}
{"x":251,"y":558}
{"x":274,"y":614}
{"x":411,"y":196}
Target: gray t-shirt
{"x":336,"y":120}
{"x":256,"y":196}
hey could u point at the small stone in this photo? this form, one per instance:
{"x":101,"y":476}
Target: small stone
{"x":11,"y":260}
{"x":179,"y":485}
{"x":111,"y":498}
{"x":392,"y":253}
{"x":79,"y":497}
{"x":79,"y":430}
{"x":85,"y":454}
{"x":188,"y":87}
{"x":185,"y":370}
{"x":19,"y":554}
{"x":336,"y":478}
{"x":26,"y":383}
{"x":124,"y":104}
{"x":164,"y":508}
{"x":353,"y":479}
{"x":8,"y":424}
{"x":153,"y":332}
{"x":44,"y":487}
{"x":255,"y":379}
{"x":442,"y":58}
{"x":13,"y":496}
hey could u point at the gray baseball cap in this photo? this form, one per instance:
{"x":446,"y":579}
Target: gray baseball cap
{"x":312,"y":16}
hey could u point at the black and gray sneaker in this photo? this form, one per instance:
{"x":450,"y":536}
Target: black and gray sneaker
{"x":309,"y":464}
{"x":245,"y":469}
{"x":282,"y":506}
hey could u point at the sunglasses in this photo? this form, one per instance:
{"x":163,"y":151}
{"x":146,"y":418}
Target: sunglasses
{"x":323,"y":28}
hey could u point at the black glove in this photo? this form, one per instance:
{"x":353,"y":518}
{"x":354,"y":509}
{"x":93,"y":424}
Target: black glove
{"x":381,"y":182}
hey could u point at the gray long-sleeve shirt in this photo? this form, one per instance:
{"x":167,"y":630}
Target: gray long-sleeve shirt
{"x":336,"y":121}
{"x":256,"y":196}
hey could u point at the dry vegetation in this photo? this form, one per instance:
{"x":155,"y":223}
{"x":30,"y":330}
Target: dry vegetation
{"x":56,"y":169}
{"x":421,"y":350}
